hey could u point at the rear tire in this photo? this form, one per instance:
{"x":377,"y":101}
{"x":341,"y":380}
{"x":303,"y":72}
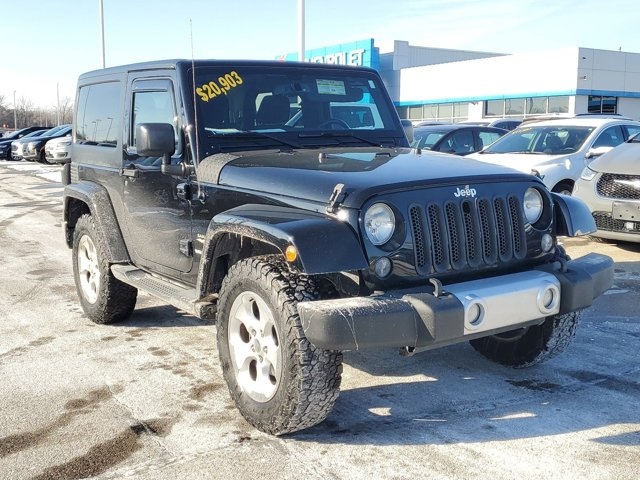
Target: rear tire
{"x":104,"y":298}
{"x":532,"y":345}
{"x":279,"y":381}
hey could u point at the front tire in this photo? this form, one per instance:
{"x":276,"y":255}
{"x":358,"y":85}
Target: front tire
{"x":532,"y":345}
{"x":104,"y":298}
{"x":279,"y":381}
{"x":563,"y":188}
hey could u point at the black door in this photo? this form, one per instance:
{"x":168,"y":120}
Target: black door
{"x":158,"y":222}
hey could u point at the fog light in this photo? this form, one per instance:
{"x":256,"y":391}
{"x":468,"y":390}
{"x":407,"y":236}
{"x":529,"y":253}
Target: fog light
{"x":547,"y":242}
{"x":548,"y":298}
{"x":382,"y":267}
{"x":629,"y":225}
{"x":475,"y":314}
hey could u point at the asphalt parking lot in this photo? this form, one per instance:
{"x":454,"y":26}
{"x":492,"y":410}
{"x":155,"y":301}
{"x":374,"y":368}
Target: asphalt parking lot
{"x":145,"y":399}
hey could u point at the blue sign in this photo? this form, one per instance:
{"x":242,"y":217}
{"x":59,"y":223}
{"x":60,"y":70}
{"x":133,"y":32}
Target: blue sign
{"x":361,"y":53}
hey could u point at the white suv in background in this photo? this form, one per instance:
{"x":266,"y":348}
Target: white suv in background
{"x":58,"y":150}
{"x":559,"y":149}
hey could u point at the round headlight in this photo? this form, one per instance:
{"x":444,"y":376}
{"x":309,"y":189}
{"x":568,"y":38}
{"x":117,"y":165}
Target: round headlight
{"x":379,"y":223}
{"x":533,"y":205}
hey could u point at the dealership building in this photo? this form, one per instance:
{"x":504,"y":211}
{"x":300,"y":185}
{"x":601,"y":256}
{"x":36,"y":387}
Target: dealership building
{"x":455,"y":85}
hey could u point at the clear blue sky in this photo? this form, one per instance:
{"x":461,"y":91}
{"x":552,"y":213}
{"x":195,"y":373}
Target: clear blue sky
{"x":48,"y":42}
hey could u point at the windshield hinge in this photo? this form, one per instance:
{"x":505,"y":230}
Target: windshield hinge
{"x":337,"y":196}
{"x":536,"y":173}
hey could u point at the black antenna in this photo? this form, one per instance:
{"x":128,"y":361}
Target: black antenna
{"x":193,"y":87}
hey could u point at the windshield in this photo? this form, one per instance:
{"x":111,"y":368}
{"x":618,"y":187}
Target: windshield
{"x":52,"y":131}
{"x":290,"y":107}
{"x":549,"y":140}
{"x":426,"y":139}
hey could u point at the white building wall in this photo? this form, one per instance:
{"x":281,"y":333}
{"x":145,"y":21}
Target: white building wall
{"x":400,"y":55}
{"x":629,"y":107}
{"x":551,"y":72}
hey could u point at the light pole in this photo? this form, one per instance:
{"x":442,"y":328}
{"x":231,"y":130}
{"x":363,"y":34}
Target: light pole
{"x":15,"y":122}
{"x":100,"y":4}
{"x":301,"y":30}
{"x":58,"y":104}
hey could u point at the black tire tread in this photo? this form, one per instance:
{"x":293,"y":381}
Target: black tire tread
{"x":314,"y":375}
{"x":539,"y":343}
{"x":116,"y":300}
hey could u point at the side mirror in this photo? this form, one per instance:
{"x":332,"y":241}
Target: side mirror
{"x":596,"y":152}
{"x":408,"y":129}
{"x":157,"y":140}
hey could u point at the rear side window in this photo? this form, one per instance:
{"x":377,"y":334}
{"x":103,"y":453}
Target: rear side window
{"x":487,"y":138}
{"x":460,"y":142}
{"x":611,"y":137}
{"x":98,"y":114}
{"x":632,"y":130}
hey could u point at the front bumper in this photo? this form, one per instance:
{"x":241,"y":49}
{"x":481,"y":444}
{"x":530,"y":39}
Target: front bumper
{"x":418,"y":319}
{"x":56,"y":156}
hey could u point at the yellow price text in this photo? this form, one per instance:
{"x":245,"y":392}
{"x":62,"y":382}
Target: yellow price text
{"x":211,"y":90}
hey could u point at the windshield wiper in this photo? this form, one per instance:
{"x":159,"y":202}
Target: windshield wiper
{"x":245,"y":134}
{"x":337,"y":134}
{"x":517,"y":151}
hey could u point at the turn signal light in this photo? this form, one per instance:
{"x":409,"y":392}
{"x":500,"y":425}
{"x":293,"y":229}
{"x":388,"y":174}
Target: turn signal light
{"x":291,"y":254}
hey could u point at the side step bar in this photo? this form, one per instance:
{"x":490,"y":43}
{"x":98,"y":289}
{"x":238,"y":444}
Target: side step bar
{"x":180,"y":296}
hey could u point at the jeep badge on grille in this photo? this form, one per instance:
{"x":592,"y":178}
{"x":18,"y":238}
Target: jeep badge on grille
{"x":467,"y":192}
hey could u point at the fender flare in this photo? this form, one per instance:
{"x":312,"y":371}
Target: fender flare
{"x":572,"y":216}
{"x":324,"y":244}
{"x":99,"y":203}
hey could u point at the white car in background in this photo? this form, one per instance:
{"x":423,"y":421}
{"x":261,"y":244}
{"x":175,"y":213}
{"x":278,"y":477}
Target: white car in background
{"x":610,"y":186}
{"x":558,"y":150}
{"x":58,"y":150}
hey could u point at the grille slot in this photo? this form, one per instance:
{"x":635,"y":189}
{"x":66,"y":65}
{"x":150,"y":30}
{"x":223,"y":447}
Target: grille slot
{"x":517,"y":226}
{"x":416,"y":217}
{"x":625,"y":187}
{"x":438,"y":238}
{"x":469,"y":234}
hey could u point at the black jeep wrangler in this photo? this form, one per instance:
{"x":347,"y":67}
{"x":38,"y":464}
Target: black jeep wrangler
{"x":282,"y":200}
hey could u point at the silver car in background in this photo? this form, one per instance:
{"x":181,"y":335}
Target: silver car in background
{"x":610,"y":186}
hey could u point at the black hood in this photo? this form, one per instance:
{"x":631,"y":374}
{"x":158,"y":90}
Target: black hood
{"x":312,"y":175}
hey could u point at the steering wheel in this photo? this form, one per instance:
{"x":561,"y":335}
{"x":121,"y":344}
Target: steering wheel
{"x":335,"y":121}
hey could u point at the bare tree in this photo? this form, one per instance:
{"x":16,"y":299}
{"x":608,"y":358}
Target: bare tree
{"x":5,"y":113}
{"x":25,"y":112}
{"x":66,"y":110}
{"x":28,"y":114}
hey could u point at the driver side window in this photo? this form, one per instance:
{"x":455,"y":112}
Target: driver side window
{"x":154,"y":107}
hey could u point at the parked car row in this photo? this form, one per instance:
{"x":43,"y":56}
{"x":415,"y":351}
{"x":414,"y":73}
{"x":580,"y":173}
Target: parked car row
{"x":5,"y":141}
{"x":593,"y":157}
{"x":32,"y":144}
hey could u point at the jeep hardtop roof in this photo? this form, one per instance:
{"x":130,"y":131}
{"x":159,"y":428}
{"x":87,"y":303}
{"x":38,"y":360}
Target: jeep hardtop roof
{"x":174,"y":64}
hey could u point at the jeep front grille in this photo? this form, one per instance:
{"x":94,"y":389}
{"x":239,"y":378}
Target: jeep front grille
{"x":467,"y":234}
{"x":619,"y":186}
